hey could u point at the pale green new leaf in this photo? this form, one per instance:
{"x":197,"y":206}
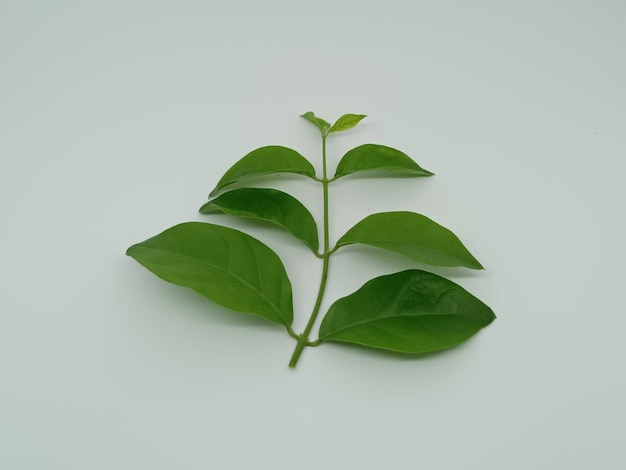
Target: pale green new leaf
{"x":378,"y":158}
{"x":263,"y":161}
{"x":411,"y":311}
{"x":321,"y":124}
{"x":345,"y":122}
{"x":225,"y":265}
{"x":412,"y":235}
{"x":271,"y":205}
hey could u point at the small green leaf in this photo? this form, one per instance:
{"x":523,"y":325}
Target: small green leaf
{"x":263,"y":161}
{"x":371,"y":157}
{"x":271,"y":205}
{"x":347,"y":121}
{"x":411,"y":311}
{"x":412,"y":235}
{"x":229,"y":267}
{"x":322,"y":125}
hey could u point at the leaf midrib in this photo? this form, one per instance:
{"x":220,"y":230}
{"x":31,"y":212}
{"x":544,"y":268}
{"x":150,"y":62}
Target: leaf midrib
{"x":395,"y":316}
{"x":222,"y":184}
{"x":243,"y":281}
{"x":408,"y":314}
{"x":389,"y":167}
{"x":251,"y":215}
{"x":395,"y":242}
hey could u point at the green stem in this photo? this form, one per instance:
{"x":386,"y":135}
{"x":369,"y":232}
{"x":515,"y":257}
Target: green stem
{"x":303,"y":339}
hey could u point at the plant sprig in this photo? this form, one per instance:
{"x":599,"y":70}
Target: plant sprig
{"x":412,"y":311}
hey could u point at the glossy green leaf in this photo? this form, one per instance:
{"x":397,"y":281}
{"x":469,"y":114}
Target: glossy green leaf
{"x":322,"y":125}
{"x":229,"y":267}
{"x":271,"y":205}
{"x":371,"y":157}
{"x":347,"y":121}
{"x":412,"y":312}
{"x":263,"y":161}
{"x":412,"y":235}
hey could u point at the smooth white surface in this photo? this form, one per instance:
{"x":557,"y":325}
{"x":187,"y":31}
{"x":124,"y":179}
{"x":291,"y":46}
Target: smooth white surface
{"x":118,"y":117}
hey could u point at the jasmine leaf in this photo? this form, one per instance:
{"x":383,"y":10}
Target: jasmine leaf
{"x":263,"y":161}
{"x":224,"y":265}
{"x":412,"y":235}
{"x":371,"y":157}
{"x":271,"y":205}
{"x":411,"y":311}
{"x":347,"y":121}
{"x":322,"y":125}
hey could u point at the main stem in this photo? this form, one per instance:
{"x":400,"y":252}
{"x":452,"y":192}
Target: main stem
{"x":303,"y":339}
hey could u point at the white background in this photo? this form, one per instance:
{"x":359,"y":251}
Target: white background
{"x":118,"y":117}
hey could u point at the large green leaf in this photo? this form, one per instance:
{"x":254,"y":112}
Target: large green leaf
{"x":412,"y":235}
{"x":412,"y":311}
{"x":229,"y":267}
{"x":271,"y":205}
{"x":266,"y":160}
{"x":347,"y":121}
{"x":322,"y":125}
{"x":371,"y":157}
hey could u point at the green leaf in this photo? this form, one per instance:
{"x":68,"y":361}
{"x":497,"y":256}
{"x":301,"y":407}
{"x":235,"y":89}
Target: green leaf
{"x":322,"y":125}
{"x":411,"y":311}
{"x":371,"y":157}
{"x":229,"y":267}
{"x":347,"y":121}
{"x":412,"y":235}
{"x":271,"y":205}
{"x":266,"y":160}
